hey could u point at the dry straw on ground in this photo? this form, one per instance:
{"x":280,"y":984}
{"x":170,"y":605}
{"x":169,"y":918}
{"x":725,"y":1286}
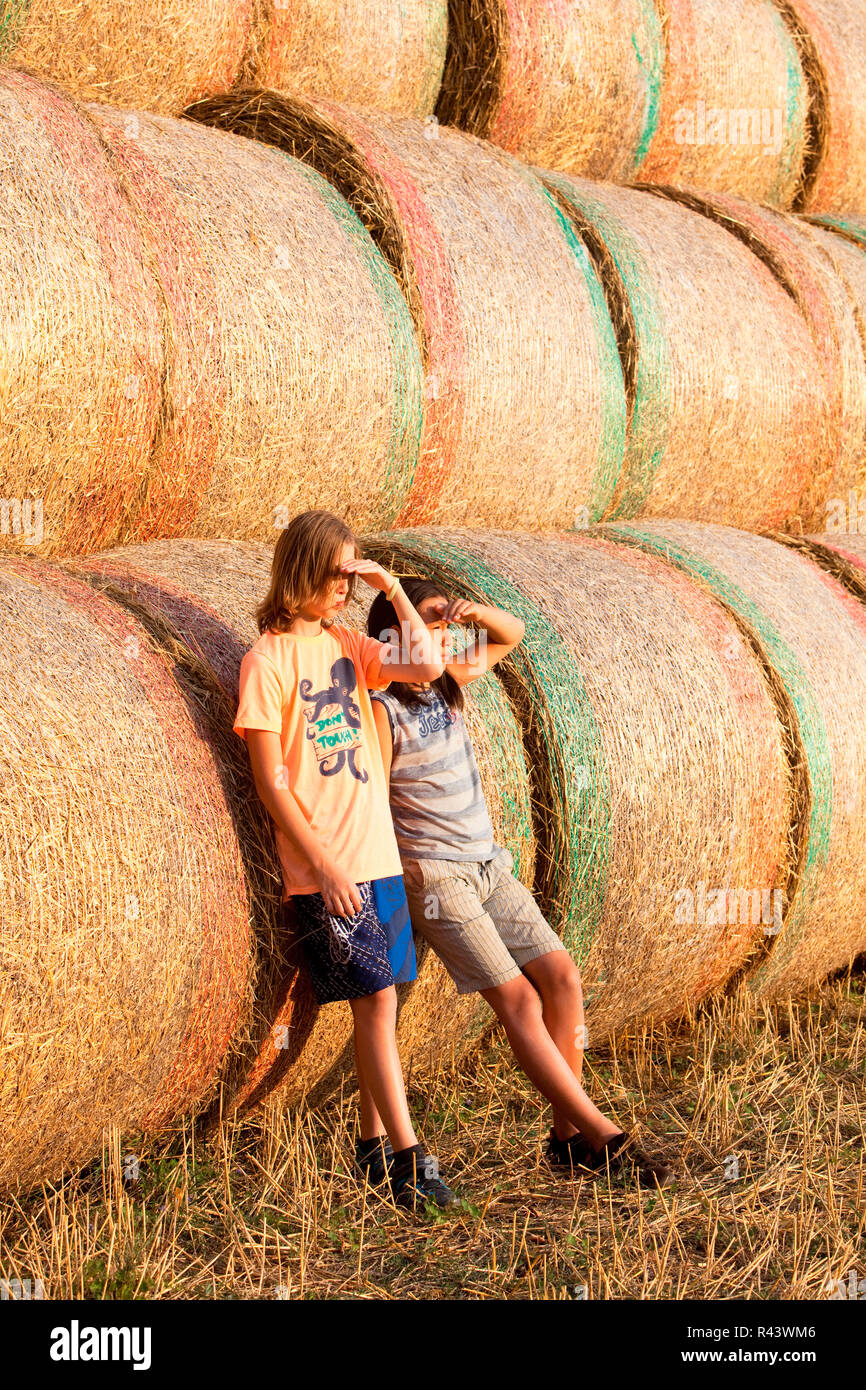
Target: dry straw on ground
{"x":655,"y":752}
{"x":156,"y":54}
{"x":812,"y":635}
{"x":837,"y":412}
{"x":731,"y":434}
{"x":835,"y":33}
{"x":387,"y":54}
{"x":571,"y":85}
{"x":524,"y":402}
{"x":126,"y":939}
{"x":208,"y":335}
{"x":734,"y":102}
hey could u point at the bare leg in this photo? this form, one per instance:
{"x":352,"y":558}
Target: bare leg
{"x":371,"y":1120}
{"x":376,"y":1051}
{"x":557,"y":979}
{"x":519,"y":1008}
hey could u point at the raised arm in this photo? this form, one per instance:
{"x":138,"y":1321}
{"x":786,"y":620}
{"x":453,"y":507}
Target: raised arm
{"x":413,"y":657}
{"x":502,"y":632}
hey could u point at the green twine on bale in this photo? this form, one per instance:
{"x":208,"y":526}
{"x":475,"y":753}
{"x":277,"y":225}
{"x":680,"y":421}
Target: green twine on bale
{"x":408,"y":370}
{"x":13,"y":21}
{"x":811,"y":728}
{"x":652,"y":66}
{"x":574,"y":884}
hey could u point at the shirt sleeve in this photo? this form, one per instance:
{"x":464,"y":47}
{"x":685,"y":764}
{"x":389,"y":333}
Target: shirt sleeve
{"x":260,"y":695}
{"x":369,"y":659}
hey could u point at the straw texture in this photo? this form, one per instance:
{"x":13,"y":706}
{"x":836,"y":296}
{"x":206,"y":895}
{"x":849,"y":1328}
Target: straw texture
{"x":655,"y":753}
{"x":835,"y":33}
{"x":842,"y":553}
{"x":388,"y":54}
{"x":125,"y":939}
{"x":838,"y":373}
{"x":813,"y":635}
{"x":734,"y":101}
{"x":156,"y":54}
{"x":730,"y":435}
{"x":568,"y":84}
{"x":524,"y":401}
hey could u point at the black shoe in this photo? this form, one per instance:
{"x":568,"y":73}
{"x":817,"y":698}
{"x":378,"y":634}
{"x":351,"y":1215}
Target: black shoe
{"x":373,"y":1159}
{"x":415,"y":1180}
{"x":617,"y":1155}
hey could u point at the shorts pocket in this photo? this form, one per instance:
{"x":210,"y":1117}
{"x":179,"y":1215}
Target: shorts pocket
{"x":505,"y":860}
{"x":413,"y":873}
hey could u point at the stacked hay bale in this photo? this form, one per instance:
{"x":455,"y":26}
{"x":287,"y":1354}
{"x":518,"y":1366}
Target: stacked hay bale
{"x":812,"y":634}
{"x":734,"y":102}
{"x":842,"y":553}
{"x":206,"y":592}
{"x":205,"y":338}
{"x":649,"y":725}
{"x":520,"y":357}
{"x":838,"y":407}
{"x":831,"y":35}
{"x":735,"y":434}
{"x":568,"y":84}
{"x":126,"y":944}
{"x":156,"y":54}
{"x":388,"y":54}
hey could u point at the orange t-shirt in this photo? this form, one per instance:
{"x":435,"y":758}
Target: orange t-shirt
{"x":313,"y":692}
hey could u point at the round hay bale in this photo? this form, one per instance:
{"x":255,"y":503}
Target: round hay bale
{"x":832,"y":37}
{"x":317,"y":364}
{"x":126,"y":944}
{"x":731,"y":435}
{"x":836,"y":412}
{"x":81,"y":351}
{"x":156,"y":54}
{"x":206,"y":593}
{"x":520,"y":356}
{"x":436,"y":1025}
{"x":566,"y":84}
{"x":813,"y":636}
{"x":842,"y":553}
{"x":387,"y":54}
{"x":649,"y":724}
{"x":852,"y":228}
{"x":734,"y":102}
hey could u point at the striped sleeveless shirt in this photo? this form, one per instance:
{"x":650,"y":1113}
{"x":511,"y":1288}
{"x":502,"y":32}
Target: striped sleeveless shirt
{"x":437,"y":803}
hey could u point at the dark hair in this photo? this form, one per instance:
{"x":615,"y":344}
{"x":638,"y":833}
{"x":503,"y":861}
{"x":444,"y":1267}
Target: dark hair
{"x":303,"y":565}
{"x":382,"y":619}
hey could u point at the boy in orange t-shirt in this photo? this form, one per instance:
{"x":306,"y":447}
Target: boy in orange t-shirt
{"x":304,"y":710}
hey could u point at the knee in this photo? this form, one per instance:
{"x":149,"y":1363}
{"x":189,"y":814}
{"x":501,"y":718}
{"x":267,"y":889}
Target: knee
{"x":516,"y":1001}
{"x":560,"y":977}
{"x":376,"y":1010}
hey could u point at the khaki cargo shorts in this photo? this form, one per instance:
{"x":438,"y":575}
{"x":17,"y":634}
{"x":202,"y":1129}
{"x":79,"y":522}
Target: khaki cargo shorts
{"x":479,"y":919}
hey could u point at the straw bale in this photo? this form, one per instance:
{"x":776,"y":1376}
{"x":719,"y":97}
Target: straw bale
{"x":813,"y":635}
{"x":156,"y":54}
{"x":387,"y":54}
{"x":317,"y":377}
{"x":734,"y":102}
{"x":832,"y":35}
{"x":524,"y":401}
{"x":126,"y":943}
{"x":836,"y":409}
{"x":842,"y":553}
{"x":658,"y":769}
{"x":81,"y":353}
{"x":568,"y":84}
{"x":733,"y":434}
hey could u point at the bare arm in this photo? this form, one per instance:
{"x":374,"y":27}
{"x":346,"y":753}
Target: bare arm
{"x":502,"y":632}
{"x":266,"y":758}
{"x":414,"y":657}
{"x":386,"y":738}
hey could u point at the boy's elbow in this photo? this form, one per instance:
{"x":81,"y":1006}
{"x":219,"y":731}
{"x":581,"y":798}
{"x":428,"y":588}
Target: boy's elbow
{"x":432,"y":670}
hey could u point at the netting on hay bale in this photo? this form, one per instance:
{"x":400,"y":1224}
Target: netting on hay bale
{"x":812,"y":633}
{"x":831,"y":35}
{"x":655,"y":753}
{"x":841,"y":552}
{"x":524,"y":410}
{"x":735,"y":434}
{"x":836,"y":418}
{"x":155,"y":54}
{"x":734,"y":106}
{"x":126,"y":937}
{"x":568,"y":84}
{"x":388,"y":54}
{"x":210,"y":335}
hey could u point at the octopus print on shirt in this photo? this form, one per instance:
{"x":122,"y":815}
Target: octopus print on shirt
{"x":335,"y":721}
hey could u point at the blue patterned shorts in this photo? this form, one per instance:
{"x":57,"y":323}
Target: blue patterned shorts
{"x":349,"y":957}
